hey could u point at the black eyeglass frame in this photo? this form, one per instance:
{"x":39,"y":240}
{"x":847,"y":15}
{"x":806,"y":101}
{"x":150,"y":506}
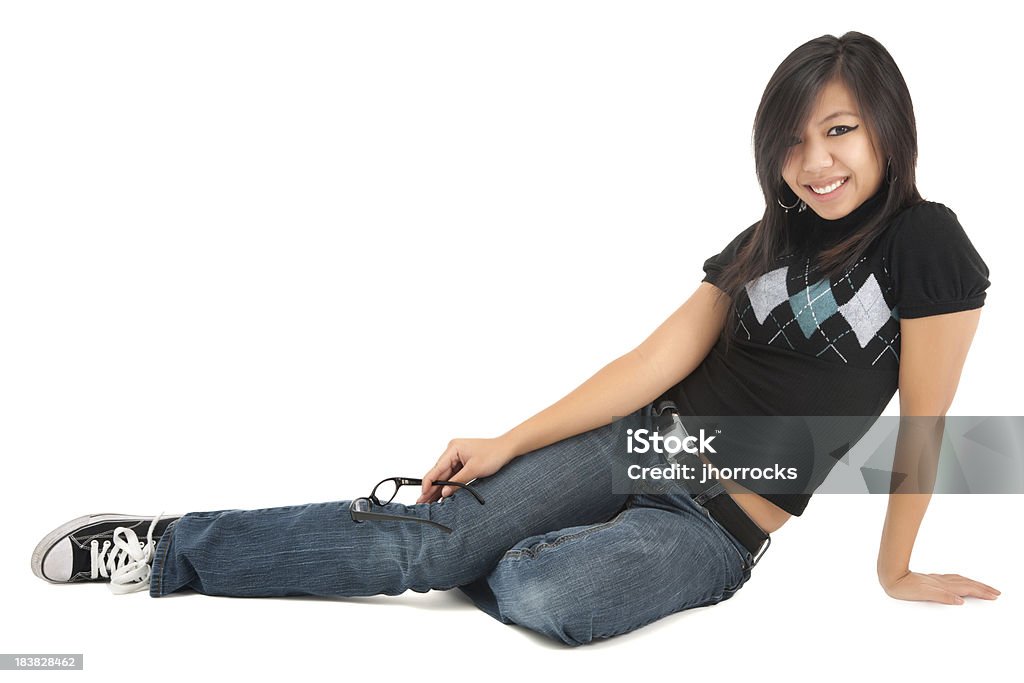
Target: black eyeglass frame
{"x":359,"y":516}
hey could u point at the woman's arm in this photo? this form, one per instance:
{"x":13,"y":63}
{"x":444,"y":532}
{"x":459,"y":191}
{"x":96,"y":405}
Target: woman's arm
{"x":933,"y":351}
{"x":629,"y":382}
{"x":633,"y":380}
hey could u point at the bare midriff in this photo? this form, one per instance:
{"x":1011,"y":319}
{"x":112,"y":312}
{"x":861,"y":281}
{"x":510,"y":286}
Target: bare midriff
{"x":767,"y":515}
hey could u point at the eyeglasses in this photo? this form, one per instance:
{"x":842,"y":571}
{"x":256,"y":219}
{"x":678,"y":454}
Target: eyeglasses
{"x":384,"y":492}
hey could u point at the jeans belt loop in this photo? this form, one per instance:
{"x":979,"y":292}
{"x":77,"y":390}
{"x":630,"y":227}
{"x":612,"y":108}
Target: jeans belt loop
{"x":709,"y":493}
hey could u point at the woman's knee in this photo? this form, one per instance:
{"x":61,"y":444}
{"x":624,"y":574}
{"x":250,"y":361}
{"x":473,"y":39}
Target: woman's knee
{"x":546,"y":607}
{"x":592,"y":582}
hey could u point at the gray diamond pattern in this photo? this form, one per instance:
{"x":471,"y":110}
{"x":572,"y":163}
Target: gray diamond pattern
{"x":784,"y":300}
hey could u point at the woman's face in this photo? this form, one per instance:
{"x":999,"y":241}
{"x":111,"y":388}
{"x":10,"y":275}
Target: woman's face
{"x":835,"y":145}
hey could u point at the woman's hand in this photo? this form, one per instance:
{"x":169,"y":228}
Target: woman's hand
{"x":944,"y":588}
{"x":463,"y":461}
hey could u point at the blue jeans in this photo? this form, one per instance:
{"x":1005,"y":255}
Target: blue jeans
{"x":552,"y":549}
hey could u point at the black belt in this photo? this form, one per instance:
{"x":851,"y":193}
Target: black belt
{"x":715,"y":499}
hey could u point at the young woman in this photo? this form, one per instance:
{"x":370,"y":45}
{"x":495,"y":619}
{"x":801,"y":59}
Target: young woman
{"x":848,"y":287}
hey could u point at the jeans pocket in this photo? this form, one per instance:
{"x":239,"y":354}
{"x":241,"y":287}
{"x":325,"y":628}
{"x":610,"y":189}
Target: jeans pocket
{"x":741,"y":555}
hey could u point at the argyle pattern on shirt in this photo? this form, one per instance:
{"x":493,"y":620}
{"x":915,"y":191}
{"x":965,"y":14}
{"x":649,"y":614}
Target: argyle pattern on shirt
{"x":851,"y":320}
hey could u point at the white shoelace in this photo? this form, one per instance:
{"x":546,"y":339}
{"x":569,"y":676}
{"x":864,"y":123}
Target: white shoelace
{"x":129,"y":565}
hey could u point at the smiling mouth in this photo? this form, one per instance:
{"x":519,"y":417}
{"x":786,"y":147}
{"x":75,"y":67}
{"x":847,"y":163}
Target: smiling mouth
{"x":829,"y":188}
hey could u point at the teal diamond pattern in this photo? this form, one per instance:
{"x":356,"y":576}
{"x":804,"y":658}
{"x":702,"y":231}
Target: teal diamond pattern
{"x":813,"y":306}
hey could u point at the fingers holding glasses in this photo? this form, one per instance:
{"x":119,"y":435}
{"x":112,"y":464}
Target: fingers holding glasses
{"x":447,"y":465}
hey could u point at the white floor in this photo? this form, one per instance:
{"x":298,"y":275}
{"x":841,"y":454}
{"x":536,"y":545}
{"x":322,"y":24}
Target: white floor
{"x":812,"y":609}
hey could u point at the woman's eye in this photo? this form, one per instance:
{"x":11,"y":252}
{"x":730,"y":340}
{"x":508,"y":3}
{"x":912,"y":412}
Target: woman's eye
{"x":796,"y":141}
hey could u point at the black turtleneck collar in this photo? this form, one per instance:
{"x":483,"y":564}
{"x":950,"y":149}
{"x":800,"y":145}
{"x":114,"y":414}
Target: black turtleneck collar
{"x":815,"y":232}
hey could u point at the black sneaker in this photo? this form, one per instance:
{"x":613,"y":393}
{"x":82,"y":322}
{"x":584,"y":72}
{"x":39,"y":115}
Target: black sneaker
{"x":72,"y":553}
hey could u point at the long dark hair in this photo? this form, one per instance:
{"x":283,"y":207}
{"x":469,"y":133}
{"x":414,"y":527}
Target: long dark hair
{"x":872,"y":77}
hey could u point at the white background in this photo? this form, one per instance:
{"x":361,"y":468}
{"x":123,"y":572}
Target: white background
{"x":241,"y":242}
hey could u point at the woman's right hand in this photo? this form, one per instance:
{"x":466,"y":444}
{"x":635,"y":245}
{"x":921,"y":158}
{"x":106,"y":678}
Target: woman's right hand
{"x":463,"y":461}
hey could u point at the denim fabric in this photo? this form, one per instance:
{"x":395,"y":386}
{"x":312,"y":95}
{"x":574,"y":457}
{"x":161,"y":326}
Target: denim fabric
{"x":552,"y":549}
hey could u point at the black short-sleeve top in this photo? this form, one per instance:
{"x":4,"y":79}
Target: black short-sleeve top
{"x":807,"y":346}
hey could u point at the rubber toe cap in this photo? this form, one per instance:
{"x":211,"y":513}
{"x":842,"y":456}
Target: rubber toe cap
{"x":57,"y":564}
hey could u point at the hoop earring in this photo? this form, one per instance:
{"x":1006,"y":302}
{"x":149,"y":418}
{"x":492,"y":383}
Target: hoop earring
{"x":887,"y":179}
{"x":799,"y":202}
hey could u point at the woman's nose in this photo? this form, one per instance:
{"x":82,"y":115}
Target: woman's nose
{"x":816,"y":157}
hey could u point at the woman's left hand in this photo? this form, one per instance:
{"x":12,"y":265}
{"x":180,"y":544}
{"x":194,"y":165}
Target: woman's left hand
{"x":945,"y":588}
